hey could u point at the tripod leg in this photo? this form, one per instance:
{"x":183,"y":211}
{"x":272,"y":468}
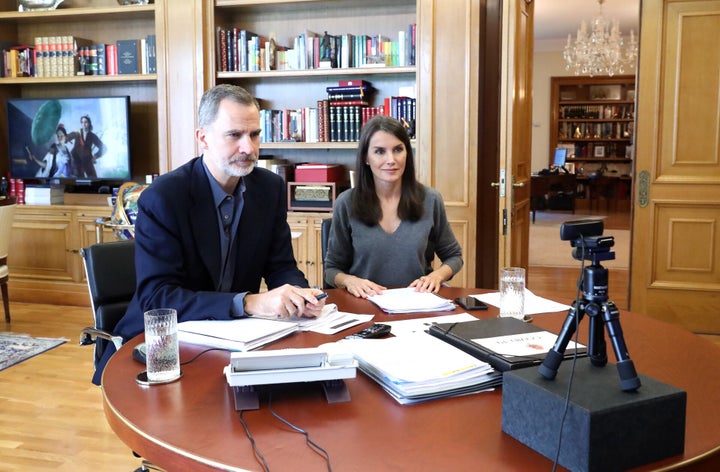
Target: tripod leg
{"x":554,"y":357}
{"x":597,"y":349}
{"x":629,"y":380}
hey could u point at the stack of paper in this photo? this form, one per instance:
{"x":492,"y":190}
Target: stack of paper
{"x":408,"y":300}
{"x":242,"y":334}
{"x":331,"y":320}
{"x":419,"y":367}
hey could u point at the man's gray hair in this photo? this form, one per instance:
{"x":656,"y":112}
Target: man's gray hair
{"x":210,"y":101}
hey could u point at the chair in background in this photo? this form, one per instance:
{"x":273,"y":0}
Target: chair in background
{"x":324,"y":237}
{"x":110,"y":272}
{"x":7,"y":213}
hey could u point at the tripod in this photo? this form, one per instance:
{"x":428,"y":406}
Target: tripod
{"x":602,"y":312}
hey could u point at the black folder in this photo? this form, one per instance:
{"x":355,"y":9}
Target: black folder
{"x":461,"y":335}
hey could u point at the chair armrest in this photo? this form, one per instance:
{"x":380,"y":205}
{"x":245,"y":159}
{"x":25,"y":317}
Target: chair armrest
{"x":88,"y":333}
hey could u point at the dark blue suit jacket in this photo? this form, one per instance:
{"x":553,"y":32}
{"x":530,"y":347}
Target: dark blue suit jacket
{"x":177,"y":248}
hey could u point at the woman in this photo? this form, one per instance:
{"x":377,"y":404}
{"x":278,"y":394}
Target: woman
{"x":387,"y":230}
{"x":56,"y":162}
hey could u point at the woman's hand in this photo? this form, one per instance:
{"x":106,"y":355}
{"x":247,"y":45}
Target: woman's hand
{"x":428,"y":283}
{"x":361,"y":288}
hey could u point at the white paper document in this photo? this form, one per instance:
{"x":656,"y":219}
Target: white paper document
{"x":524,"y":344}
{"x":533,"y":304}
{"x":243,"y":334}
{"x":408,"y":300}
{"x":421,"y":367}
{"x":332,"y":321}
{"x":420,"y":325}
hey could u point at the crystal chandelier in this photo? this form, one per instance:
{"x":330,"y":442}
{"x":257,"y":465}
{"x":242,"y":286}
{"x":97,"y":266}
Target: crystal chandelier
{"x":603,"y":51}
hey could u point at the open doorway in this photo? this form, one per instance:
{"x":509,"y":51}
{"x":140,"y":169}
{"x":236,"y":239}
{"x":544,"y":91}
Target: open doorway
{"x":551,"y":266}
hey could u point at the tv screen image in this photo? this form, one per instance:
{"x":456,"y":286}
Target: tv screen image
{"x":77,"y":138}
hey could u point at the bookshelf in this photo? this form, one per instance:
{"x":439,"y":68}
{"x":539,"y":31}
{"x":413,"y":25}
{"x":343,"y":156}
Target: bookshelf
{"x":292,"y":89}
{"x":46,"y":239}
{"x":97,"y":21}
{"x":593,"y":117}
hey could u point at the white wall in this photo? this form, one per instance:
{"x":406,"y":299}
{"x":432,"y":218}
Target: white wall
{"x":546,"y":64}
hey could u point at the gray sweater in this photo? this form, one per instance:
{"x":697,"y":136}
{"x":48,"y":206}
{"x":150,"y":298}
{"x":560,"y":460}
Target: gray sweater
{"x":391,"y":260}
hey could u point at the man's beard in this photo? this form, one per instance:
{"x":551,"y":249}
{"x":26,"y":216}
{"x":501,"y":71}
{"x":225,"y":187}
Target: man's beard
{"x":235,"y":171}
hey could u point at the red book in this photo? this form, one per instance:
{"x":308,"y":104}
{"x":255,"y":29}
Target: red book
{"x":354,"y":82}
{"x":111,"y":59}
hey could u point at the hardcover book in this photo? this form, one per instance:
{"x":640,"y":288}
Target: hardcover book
{"x":504,"y":343}
{"x":128,"y":56}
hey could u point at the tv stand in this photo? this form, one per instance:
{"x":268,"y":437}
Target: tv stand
{"x":87,"y":186}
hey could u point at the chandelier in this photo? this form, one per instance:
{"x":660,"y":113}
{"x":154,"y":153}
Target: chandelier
{"x":602,"y":51}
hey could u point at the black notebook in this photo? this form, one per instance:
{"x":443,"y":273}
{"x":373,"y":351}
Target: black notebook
{"x":504,"y":343}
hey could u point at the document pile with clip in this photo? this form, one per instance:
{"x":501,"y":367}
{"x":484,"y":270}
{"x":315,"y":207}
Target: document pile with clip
{"x":418,"y":367}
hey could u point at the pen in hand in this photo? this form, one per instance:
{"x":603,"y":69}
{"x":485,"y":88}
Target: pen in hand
{"x":321,"y":296}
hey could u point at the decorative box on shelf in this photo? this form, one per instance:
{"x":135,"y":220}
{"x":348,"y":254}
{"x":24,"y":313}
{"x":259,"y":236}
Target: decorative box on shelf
{"x":312,"y":196}
{"x":320,"y":173}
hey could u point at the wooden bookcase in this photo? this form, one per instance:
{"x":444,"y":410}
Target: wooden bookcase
{"x":295,"y":89}
{"x":593,"y":117}
{"x":44,"y":263}
{"x":98,"y":21}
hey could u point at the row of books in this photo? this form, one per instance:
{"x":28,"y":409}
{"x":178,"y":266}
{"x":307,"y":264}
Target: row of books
{"x":66,"y":56}
{"x":324,"y":123}
{"x":242,"y":50}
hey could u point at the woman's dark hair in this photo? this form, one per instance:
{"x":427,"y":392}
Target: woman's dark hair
{"x":87,"y":117}
{"x":365,"y":204}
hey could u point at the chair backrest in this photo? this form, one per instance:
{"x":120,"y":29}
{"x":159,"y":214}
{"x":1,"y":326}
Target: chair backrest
{"x":324,"y":237}
{"x":7,"y":213}
{"x":110,"y":272}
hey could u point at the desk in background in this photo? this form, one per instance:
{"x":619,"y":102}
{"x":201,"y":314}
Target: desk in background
{"x":544,"y":188}
{"x":191,"y":424}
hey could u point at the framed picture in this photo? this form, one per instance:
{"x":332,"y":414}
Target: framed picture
{"x":570,"y":166}
{"x":599,"y":151}
{"x":605,"y":92}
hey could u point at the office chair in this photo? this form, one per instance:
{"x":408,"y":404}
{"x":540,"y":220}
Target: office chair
{"x":7,"y":213}
{"x":110,"y":272}
{"x":324,"y":237}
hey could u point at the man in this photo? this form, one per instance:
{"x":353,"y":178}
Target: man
{"x":209,"y":231}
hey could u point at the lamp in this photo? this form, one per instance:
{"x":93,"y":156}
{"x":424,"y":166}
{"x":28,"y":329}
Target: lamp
{"x":601,"y":52}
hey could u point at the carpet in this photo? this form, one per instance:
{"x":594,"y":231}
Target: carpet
{"x":546,"y":249}
{"x":15,"y":348}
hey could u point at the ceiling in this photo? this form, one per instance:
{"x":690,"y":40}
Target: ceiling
{"x":555,"y":19}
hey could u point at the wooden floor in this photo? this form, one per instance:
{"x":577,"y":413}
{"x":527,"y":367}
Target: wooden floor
{"x":51,"y":416}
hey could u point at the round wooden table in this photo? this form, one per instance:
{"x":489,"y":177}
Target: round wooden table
{"x":192,"y":424}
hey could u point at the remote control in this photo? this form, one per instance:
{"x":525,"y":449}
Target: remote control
{"x":375,"y":331}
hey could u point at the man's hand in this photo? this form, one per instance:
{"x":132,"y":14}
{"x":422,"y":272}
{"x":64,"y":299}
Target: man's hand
{"x":284,"y":302}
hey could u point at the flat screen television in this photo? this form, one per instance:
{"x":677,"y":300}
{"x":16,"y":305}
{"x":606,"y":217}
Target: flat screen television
{"x":72,"y":140}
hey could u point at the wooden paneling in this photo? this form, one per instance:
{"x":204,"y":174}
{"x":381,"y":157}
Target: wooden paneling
{"x":676,"y":257}
{"x":447,"y":126}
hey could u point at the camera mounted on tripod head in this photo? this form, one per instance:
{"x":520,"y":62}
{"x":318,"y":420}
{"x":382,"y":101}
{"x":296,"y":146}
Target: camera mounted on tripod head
{"x":587,"y":239}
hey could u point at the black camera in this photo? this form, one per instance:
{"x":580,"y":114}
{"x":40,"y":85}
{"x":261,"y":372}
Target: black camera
{"x":587,"y":239}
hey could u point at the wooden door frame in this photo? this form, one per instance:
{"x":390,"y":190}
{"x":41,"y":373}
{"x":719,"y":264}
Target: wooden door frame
{"x":488,"y":158}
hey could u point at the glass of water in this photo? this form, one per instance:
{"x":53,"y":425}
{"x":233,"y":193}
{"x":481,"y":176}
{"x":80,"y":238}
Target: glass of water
{"x":512,"y":292}
{"x":162,"y":352}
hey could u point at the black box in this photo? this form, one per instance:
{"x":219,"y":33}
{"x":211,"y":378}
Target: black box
{"x":605,"y":429}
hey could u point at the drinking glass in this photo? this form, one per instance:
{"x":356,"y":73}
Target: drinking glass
{"x":161,"y":345}
{"x":512,"y":292}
